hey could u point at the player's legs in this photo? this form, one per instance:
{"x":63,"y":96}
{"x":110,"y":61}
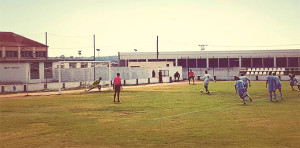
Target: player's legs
{"x":242,"y":95}
{"x":99,"y":87}
{"x":270,"y":95}
{"x":91,"y":88}
{"x":117,"y":92}
{"x":189,"y":80}
{"x":193,"y":80}
{"x":281,"y":96}
{"x":206,"y":87}
{"x":292,"y":85}
{"x":275,"y":96}
{"x":248,"y":95}
{"x":115,"y":95}
{"x":119,"y":96}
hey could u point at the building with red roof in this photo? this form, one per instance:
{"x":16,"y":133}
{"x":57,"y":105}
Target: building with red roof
{"x":14,"y":47}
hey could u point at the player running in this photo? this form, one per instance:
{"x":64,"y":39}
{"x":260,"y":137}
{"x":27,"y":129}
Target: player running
{"x":292,"y":80}
{"x":240,"y":88}
{"x":297,"y":82}
{"x":206,"y":78}
{"x":245,"y":79}
{"x":278,"y":84}
{"x":271,"y":83}
{"x":96,"y":84}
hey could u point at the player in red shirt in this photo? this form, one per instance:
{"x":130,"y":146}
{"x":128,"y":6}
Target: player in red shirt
{"x":117,"y":86}
{"x":191,"y":76}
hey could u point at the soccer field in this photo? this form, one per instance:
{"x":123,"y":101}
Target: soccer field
{"x":175,"y":115}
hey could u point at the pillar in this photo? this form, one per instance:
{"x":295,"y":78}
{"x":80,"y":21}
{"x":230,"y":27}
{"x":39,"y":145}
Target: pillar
{"x":240,"y":62}
{"x":3,"y":52}
{"x":275,"y":65}
{"x":19,"y":52}
{"x":33,"y":52}
{"x":207,"y":63}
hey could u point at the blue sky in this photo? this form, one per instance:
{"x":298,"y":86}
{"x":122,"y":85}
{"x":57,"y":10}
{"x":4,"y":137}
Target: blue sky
{"x":124,"y":25}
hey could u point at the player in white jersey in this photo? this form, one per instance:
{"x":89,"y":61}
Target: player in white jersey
{"x":206,"y":77}
{"x":278,"y":84}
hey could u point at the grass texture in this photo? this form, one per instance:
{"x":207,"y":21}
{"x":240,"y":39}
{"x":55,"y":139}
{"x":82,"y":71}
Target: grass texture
{"x":175,"y":115}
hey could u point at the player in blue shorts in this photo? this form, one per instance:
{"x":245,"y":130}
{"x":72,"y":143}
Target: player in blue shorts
{"x":278,"y":84}
{"x":297,"y":82}
{"x":292,"y":80}
{"x":245,"y":79}
{"x":271,"y":83}
{"x":240,"y":88}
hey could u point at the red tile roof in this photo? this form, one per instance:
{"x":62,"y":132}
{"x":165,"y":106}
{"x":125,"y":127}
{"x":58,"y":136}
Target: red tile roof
{"x":10,"y":39}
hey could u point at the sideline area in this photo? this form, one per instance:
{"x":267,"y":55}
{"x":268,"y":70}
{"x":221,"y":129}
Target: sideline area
{"x":78,"y":91}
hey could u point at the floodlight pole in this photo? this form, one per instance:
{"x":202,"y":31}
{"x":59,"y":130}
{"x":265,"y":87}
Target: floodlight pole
{"x":156,"y":48}
{"x":45,"y":69}
{"x":94,"y":58}
{"x":59,"y":78}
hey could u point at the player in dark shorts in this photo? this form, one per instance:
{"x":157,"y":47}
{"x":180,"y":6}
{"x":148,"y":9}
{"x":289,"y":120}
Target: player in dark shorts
{"x":117,"y":86}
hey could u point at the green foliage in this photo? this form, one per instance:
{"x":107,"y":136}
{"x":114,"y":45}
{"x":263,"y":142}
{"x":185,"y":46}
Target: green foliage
{"x":159,"y":116}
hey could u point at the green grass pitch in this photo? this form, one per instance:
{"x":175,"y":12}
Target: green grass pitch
{"x":176,"y":115}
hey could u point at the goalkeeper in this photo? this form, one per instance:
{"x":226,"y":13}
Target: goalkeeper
{"x":96,"y":84}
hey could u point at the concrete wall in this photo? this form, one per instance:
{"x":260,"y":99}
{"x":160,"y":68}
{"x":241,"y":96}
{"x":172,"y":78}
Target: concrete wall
{"x":13,"y":72}
{"x":72,"y":85}
{"x":220,"y":73}
{"x":156,"y":66}
{"x":87,"y":74}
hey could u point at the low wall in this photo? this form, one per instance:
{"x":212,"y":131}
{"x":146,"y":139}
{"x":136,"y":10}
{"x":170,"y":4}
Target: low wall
{"x":71,"y":85}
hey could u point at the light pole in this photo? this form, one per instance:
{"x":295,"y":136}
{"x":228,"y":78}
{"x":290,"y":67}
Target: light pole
{"x":98,"y":52}
{"x":79,"y":53}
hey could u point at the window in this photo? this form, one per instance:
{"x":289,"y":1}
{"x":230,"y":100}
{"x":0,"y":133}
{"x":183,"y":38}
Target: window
{"x":182,"y":62}
{"x":293,"y":62}
{"x":72,"y":65}
{"x":48,"y":70}
{"x":257,"y":62}
{"x":268,"y":62}
{"x":27,"y":54}
{"x":11,"y":53}
{"x":132,"y":60}
{"x":201,"y":63}
{"x":234,"y":62}
{"x":223,"y":63}
{"x":281,"y":62}
{"x":152,"y":60}
{"x":122,"y":63}
{"x":165,"y":73}
{"x":40,"y":53}
{"x":34,"y":70}
{"x":213,"y":63}
{"x":84,"y":65}
{"x":192,"y":63}
{"x":246,"y":62}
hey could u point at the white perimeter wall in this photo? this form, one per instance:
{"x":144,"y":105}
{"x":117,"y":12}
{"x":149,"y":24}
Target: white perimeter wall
{"x":14,"y":72}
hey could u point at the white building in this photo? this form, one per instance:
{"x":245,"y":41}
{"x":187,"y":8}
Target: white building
{"x":223,"y":63}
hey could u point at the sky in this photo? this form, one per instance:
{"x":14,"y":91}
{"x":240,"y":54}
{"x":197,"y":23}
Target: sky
{"x":181,"y":25}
